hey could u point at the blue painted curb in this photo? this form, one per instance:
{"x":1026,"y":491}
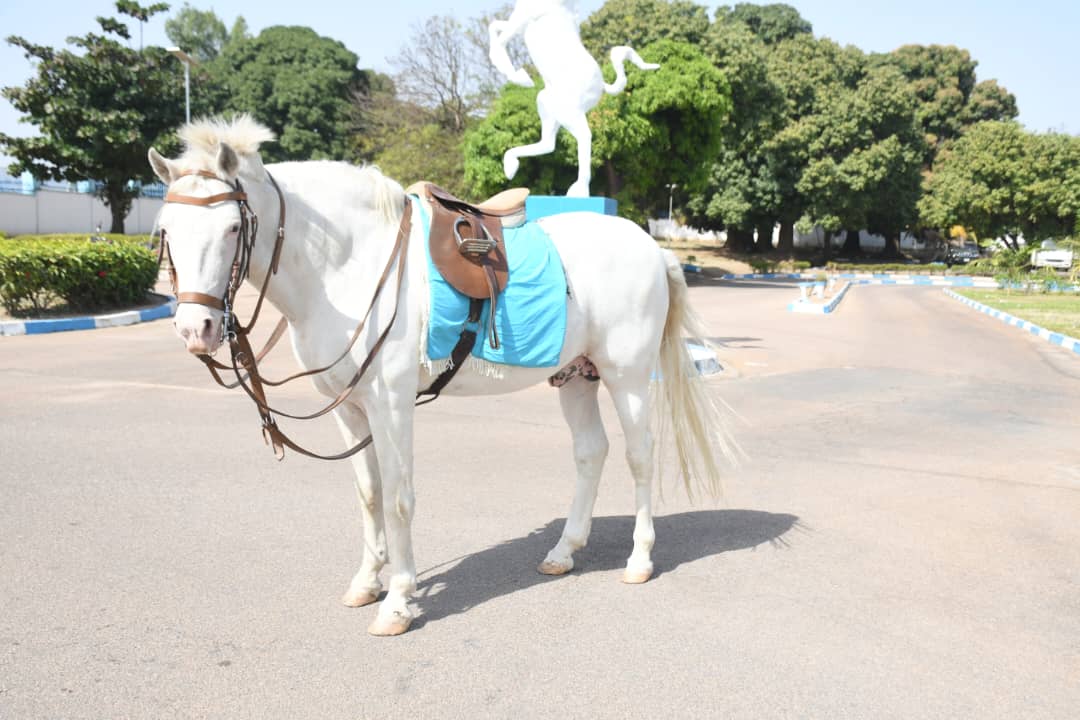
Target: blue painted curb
{"x":129,"y":317}
{"x":880,"y":279}
{"x":810,"y":308}
{"x":1065,"y":341}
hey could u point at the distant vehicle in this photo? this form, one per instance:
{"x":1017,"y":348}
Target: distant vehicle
{"x":1050,"y":256}
{"x":961,"y":254}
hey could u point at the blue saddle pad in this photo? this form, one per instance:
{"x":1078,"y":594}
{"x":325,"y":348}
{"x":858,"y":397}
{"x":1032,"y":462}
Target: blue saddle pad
{"x":530,"y":316}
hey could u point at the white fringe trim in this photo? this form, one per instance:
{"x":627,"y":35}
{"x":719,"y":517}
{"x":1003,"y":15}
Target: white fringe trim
{"x":485,"y":368}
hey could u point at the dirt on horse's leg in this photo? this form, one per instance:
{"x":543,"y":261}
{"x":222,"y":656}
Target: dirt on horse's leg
{"x":582,"y":413}
{"x":631,"y":399}
{"x":365,"y":586}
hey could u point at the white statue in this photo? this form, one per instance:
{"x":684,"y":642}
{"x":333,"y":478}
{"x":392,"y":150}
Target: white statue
{"x":573,"y":83}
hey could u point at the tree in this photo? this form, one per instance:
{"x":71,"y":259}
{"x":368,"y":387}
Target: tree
{"x":639,"y":23}
{"x":863,"y":159}
{"x":983,"y":181}
{"x":98,"y":109}
{"x":742,"y":194}
{"x":298,"y":84}
{"x":440,"y":73}
{"x":771,"y":23}
{"x":942,"y":78}
{"x":201,"y":33}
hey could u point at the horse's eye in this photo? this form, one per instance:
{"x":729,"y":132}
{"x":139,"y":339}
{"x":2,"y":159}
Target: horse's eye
{"x":235,"y":228}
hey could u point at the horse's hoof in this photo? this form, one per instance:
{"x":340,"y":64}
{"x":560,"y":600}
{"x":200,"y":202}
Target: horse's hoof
{"x":359,"y":598}
{"x":636,"y":576}
{"x":389,"y":628}
{"x":549,"y":567}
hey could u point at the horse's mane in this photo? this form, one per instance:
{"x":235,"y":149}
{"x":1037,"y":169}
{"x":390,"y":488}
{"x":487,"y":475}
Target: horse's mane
{"x":201,"y":138}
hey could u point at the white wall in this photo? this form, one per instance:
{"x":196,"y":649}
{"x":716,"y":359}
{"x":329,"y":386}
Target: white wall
{"x":49,"y":211}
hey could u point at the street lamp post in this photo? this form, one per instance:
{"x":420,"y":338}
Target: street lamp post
{"x":188,"y":62}
{"x":671,"y":196}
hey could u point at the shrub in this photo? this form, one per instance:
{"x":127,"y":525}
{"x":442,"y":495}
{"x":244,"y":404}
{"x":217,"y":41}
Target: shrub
{"x":37,"y":272}
{"x":762,"y":265}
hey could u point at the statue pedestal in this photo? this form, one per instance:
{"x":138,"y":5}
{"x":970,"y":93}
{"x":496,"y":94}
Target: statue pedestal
{"x":538,"y":206}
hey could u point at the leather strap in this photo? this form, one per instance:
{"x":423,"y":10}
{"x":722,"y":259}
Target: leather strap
{"x":458,"y":355}
{"x":203,"y":201}
{"x":201,"y":299}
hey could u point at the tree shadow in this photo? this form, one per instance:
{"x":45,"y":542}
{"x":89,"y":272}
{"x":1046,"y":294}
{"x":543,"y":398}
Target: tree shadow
{"x":509,"y":567}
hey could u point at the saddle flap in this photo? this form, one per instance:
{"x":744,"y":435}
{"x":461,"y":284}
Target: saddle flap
{"x":466,"y":245}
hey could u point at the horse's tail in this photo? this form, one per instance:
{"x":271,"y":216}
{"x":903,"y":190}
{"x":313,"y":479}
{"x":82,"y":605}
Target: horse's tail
{"x":697,"y":422}
{"x":619,"y":56}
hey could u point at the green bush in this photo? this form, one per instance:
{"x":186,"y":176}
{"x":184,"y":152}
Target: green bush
{"x":762,"y":265}
{"x":38,"y":272}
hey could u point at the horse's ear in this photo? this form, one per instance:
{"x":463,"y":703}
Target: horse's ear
{"x":228,"y":162}
{"x":162,"y":167}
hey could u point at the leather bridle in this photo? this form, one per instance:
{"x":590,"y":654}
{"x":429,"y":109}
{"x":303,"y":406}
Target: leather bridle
{"x":245,"y":361}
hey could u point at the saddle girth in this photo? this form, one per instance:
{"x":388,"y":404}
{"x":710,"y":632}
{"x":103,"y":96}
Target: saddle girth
{"x":466,"y":244}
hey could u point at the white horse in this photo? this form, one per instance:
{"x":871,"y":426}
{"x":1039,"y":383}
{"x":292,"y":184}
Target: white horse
{"x":573,"y":83}
{"x":627,"y":312}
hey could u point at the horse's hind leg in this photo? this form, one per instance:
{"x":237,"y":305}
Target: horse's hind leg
{"x":631,"y":398}
{"x":365,"y":586}
{"x":579,"y":127}
{"x":582,"y":413}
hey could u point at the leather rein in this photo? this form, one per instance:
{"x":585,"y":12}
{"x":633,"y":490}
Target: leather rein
{"x":245,"y":361}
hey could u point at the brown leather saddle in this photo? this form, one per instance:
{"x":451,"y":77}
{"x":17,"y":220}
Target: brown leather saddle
{"x":466,"y":243}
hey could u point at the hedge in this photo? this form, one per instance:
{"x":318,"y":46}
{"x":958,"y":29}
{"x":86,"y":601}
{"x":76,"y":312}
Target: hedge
{"x":39,"y":272}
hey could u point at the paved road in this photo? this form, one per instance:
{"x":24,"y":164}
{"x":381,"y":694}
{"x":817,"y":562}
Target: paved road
{"x":904,"y":543}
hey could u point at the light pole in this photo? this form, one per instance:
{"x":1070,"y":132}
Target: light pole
{"x":670,"y":198}
{"x":188,"y":62}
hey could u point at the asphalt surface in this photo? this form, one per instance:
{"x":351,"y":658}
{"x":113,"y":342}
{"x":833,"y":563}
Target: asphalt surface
{"x":904,"y":541}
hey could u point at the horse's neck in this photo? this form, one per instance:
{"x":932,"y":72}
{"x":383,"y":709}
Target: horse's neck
{"x":316,"y":260}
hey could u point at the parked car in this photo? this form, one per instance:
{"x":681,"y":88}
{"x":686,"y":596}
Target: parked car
{"x":1051,"y":256}
{"x":961,"y":254}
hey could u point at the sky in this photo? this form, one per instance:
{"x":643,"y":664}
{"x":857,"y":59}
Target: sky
{"x":1029,"y":47}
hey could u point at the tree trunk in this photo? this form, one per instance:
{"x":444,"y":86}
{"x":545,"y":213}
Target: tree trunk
{"x":892,"y":246}
{"x":614,"y":182}
{"x":785,"y":244}
{"x":740,"y":240}
{"x":851,"y":244}
{"x":118,"y":201}
{"x":763,"y":244}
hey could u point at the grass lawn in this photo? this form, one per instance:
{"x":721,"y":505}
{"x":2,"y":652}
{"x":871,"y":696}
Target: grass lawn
{"x":1055,"y":312}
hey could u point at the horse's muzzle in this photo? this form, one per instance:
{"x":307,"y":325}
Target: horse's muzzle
{"x":198,"y":327}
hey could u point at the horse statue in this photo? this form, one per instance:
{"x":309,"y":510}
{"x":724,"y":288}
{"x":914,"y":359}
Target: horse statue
{"x":573,"y":83}
{"x":348,"y":260}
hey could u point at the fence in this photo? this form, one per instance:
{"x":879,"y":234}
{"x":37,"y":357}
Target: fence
{"x":27,"y":208}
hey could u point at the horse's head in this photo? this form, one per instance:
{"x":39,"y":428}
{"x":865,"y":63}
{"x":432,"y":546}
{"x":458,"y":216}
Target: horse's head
{"x":203,"y":220}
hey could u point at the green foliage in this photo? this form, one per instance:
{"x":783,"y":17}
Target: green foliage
{"x":942,"y":79}
{"x":297,"y":83}
{"x":863,"y":154}
{"x":982,"y":181}
{"x":771,"y":23}
{"x":98,"y":109}
{"x":200,"y":33}
{"x":38,"y":272}
{"x":763,"y":265}
{"x":639,"y":23}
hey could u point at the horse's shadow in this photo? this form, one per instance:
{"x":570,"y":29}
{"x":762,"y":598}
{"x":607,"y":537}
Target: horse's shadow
{"x":511,"y":566}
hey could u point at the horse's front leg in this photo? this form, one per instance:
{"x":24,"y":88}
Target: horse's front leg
{"x":391,"y":419}
{"x":365,"y":586}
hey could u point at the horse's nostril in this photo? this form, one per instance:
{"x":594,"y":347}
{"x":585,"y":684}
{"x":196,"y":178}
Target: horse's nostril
{"x":207,"y":326}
